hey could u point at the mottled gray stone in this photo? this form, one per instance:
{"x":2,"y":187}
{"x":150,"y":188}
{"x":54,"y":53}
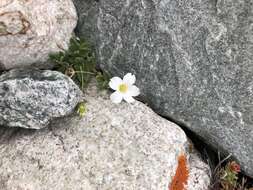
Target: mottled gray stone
{"x":31,"y":29}
{"x":113,"y":147}
{"x":87,"y":11}
{"x":32,"y":98}
{"x":192,"y":59}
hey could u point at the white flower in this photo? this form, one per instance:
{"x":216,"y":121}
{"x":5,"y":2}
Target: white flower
{"x":124,"y":88}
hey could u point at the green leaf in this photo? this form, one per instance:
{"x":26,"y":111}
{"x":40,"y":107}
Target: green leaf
{"x":102,"y":80}
{"x":79,"y":57}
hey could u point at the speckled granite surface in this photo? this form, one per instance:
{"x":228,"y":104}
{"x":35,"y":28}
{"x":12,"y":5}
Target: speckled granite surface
{"x":113,"y":147}
{"x":31,"y":98}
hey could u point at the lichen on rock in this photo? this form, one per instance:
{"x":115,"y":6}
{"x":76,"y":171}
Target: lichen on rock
{"x":180,"y":178}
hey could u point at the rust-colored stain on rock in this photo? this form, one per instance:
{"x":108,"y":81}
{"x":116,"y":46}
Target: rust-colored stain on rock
{"x":13,"y":23}
{"x":179,"y":181}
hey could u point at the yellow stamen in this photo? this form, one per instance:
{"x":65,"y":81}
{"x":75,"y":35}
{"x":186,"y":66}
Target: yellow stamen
{"x":123,"y":88}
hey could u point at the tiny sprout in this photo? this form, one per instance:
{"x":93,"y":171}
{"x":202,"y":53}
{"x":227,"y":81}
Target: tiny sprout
{"x":230,"y":176}
{"x":81,"y":109}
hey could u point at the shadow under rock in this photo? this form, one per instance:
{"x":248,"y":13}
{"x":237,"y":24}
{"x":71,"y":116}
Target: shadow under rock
{"x":8,"y":134}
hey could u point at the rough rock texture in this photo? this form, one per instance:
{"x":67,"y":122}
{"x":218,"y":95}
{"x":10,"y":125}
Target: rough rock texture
{"x":113,"y":147}
{"x":32,"y":98}
{"x":192,"y":59}
{"x":87,"y":17}
{"x":31,"y":29}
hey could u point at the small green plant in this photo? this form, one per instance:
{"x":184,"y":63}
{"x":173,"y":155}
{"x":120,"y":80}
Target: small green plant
{"x":102,"y":80}
{"x":227,"y":176}
{"x":81,"y":109}
{"x":79,"y":63}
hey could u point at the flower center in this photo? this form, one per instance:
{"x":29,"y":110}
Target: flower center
{"x":123,"y":88}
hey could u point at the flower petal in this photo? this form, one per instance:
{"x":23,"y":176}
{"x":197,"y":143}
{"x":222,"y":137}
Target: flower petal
{"x":115,"y":82}
{"x":116,"y":97}
{"x":129,"y":99}
{"x":133,"y":90}
{"x":129,"y":79}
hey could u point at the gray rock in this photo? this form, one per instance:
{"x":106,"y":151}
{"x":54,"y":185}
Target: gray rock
{"x":31,"y":29}
{"x":192,"y":59}
{"x":32,"y":98}
{"x":124,"y":146}
{"x":87,"y":11}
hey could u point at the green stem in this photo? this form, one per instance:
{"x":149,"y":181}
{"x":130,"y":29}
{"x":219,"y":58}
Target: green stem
{"x":84,"y":72}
